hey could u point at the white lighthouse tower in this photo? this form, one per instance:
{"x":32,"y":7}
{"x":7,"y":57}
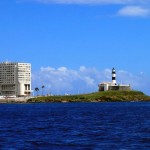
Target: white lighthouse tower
{"x":113,"y":86}
{"x":114,"y":76}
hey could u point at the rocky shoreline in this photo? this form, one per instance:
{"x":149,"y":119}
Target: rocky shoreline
{"x":14,"y":100}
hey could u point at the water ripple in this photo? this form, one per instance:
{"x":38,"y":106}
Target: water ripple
{"x":73,"y":126}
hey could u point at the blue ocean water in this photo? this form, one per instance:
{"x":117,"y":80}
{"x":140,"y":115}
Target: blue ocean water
{"x":75,"y":126}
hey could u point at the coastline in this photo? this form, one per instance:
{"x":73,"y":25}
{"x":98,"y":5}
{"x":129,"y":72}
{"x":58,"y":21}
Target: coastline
{"x":109,"y":96}
{"x":14,"y":100}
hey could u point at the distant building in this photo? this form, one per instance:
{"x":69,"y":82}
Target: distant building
{"x":111,"y":86}
{"x":15,"y":79}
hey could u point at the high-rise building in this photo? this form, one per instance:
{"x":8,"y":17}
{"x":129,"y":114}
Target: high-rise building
{"x":15,"y":79}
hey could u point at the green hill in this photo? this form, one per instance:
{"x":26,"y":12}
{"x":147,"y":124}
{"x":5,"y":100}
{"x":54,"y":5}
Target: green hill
{"x":107,"y":96}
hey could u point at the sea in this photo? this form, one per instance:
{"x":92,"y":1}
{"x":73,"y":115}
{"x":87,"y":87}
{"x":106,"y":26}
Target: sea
{"x":75,"y":126}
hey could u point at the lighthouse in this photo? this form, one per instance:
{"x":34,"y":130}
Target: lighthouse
{"x":113,"y":86}
{"x":114,"y":76}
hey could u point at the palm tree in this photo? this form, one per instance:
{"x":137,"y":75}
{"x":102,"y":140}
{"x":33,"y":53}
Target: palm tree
{"x":37,"y":89}
{"x":42,"y":88}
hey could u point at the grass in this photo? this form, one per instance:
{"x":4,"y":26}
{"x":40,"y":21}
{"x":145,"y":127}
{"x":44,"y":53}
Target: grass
{"x":106,"y":96}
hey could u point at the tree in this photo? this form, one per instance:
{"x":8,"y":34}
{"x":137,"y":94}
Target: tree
{"x":37,"y":89}
{"x":42,"y":88}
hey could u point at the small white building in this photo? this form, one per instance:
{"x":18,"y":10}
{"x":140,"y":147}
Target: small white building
{"x":111,"y":86}
{"x":15,"y":79}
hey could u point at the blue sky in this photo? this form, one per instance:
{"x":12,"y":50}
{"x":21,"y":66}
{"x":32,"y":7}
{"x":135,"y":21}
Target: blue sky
{"x":73,"y":44}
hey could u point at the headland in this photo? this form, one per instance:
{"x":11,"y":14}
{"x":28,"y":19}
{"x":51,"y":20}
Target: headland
{"x":105,"y":96}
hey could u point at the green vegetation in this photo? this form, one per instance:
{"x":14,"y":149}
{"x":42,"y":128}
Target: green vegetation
{"x":107,"y":96}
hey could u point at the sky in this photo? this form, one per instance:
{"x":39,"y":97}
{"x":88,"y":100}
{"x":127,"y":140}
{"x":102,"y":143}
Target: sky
{"x":72,"y":45}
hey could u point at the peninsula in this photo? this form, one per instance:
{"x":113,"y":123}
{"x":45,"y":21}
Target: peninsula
{"x":105,"y":96}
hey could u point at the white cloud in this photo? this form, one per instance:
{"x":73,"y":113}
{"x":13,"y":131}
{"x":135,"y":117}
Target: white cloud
{"x":63,"y":80}
{"x":132,"y":8}
{"x":134,"y":11}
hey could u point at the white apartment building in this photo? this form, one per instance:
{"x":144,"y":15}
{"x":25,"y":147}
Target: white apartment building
{"x":15,"y":79}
